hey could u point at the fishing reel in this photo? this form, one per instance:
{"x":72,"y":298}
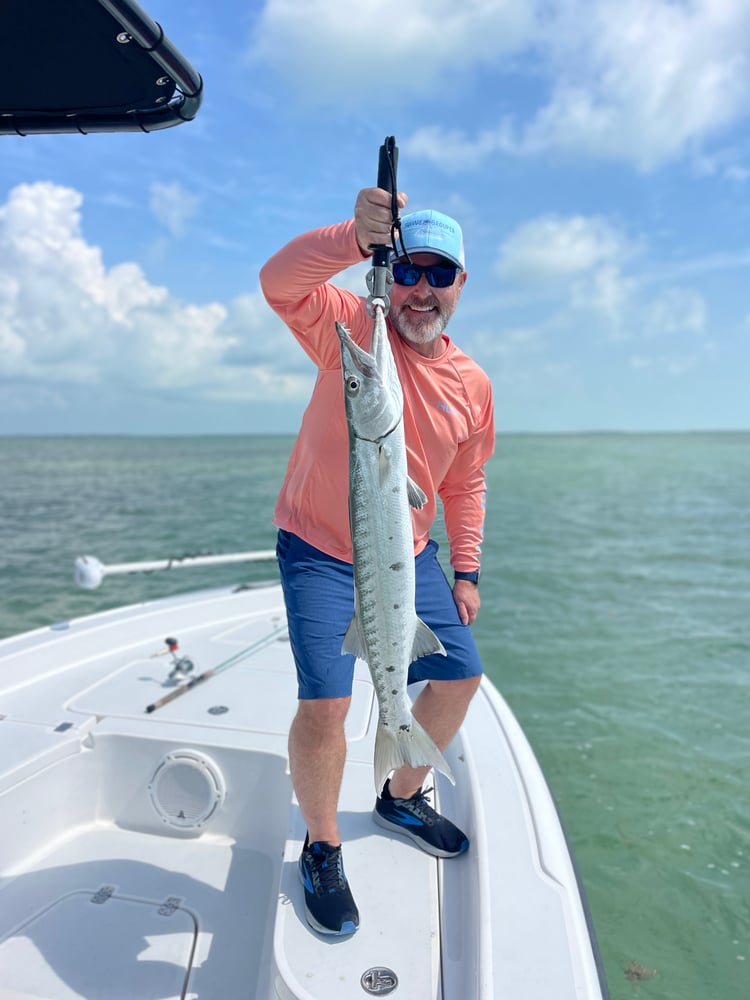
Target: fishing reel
{"x":181,"y":665}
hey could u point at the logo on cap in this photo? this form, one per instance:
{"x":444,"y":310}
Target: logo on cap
{"x":432,"y":232}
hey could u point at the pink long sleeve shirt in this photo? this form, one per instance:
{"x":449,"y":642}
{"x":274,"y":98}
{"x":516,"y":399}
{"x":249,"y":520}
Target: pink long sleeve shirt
{"x":448,"y":412}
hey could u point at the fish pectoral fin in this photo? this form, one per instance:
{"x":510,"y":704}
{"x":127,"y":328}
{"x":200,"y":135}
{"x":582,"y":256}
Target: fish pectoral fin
{"x":417,"y":496}
{"x":425,"y":642}
{"x":384,"y":465}
{"x":353,"y":641}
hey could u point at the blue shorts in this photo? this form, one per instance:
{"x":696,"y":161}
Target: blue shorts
{"x":319,"y":596}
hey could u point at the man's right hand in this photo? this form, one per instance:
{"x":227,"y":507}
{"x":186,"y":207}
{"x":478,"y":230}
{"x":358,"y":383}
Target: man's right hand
{"x":373,"y":218}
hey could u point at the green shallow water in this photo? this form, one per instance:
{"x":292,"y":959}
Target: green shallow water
{"x":615,"y":620}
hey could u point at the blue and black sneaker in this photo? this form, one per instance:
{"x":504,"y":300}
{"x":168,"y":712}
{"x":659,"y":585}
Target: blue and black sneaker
{"x":416,"y":818}
{"x":329,"y":905}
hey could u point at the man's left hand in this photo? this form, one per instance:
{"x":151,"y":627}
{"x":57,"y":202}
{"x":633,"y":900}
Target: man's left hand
{"x":466,"y":596}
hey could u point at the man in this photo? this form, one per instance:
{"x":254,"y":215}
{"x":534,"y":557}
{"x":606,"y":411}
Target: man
{"x":448,"y":421}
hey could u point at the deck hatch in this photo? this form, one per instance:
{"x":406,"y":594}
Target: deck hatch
{"x":120,"y":949}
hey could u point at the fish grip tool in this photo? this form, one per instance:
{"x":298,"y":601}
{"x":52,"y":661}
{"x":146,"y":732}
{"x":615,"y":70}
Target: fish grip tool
{"x":380,"y":276}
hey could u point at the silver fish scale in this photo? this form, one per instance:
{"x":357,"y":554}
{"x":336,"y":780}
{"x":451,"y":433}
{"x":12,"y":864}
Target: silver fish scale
{"x":383,"y":546}
{"x":385,"y":630}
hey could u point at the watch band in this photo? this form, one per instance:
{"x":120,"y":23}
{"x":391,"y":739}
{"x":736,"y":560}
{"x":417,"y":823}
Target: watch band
{"x":472,"y":577}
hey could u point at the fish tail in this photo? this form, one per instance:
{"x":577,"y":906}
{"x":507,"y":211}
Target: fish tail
{"x":412,"y":746}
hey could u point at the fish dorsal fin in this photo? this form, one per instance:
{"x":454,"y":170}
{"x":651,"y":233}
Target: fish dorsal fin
{"x":417,"y":496}
{"x":425,"y":642}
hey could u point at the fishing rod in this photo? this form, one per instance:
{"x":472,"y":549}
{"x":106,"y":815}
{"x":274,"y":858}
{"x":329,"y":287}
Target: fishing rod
{"x":380,"y":277}
{"x":213,"y":671}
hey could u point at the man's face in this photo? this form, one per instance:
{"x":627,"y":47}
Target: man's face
{"x":420,"y":312}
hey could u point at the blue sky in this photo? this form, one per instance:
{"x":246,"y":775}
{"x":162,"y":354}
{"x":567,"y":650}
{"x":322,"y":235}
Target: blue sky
{"x":596,"y":153}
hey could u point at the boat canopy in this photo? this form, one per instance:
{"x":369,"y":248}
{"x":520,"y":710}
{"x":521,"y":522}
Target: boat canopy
{"x":90,"y":66}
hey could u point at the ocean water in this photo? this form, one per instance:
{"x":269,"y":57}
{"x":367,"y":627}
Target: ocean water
{"x":615,"y":620}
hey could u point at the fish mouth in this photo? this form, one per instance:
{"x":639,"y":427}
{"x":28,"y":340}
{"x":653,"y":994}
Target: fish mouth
{"x":360,"y":359}
{"x":355,"y":357}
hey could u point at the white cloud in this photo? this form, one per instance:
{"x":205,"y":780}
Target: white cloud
{"x":552,"y":247}
{"x":713,"y":263}
{"x":507,"y":345}
{"x":606,"y":291}
{"x":643,"y":79}
{"x":640,"y":81}
{"x":67,"y":318}
{"x":576,"y":261}
{"x":675,"y":311}
{"x":583,"y":268}
{"x":172,"y":205}
{"x":674,"y":364}
{"x":730,"y":162}
{"x":336,"y":50}
{"x":453,"y":150}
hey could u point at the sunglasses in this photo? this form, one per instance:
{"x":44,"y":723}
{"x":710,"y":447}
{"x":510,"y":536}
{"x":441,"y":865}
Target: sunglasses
{"x":437,"y":275}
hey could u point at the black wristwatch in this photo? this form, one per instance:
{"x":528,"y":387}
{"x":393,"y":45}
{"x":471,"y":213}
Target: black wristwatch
{"x":471,"y":577}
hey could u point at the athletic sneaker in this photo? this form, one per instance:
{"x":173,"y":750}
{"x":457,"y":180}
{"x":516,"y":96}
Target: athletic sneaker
{"x":416,"y":818}
{"x":329,"y":905}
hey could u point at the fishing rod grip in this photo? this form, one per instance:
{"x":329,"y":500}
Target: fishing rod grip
{"x":182,"y":689}
{"x":387,"y":174}
{"x":387,"y":169}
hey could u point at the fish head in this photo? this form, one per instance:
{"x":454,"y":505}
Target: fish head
{"x":371,"y":395}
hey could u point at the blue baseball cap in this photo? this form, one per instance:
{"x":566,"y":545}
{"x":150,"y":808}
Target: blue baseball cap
{"x":432,"y":232}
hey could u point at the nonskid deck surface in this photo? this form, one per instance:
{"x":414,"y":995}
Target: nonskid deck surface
{"x":155,"y":855}
{"x":108,"y":890}
{"x":119,"y":914}
{"x":141,"y":853}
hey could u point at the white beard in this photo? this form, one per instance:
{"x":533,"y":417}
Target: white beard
{"x":420,"y":328}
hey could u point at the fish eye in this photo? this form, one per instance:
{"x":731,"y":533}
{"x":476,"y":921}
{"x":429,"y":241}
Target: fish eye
{"x":352,"y":384}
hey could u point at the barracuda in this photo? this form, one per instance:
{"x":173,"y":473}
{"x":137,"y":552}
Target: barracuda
{"x":385,"y":631}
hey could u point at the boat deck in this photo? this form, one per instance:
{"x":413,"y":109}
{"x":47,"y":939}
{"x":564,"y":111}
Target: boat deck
{"x":154,"y":855}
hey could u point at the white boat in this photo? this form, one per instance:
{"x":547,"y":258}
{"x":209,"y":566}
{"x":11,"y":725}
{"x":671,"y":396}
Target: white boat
{"x":152,"y":855}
